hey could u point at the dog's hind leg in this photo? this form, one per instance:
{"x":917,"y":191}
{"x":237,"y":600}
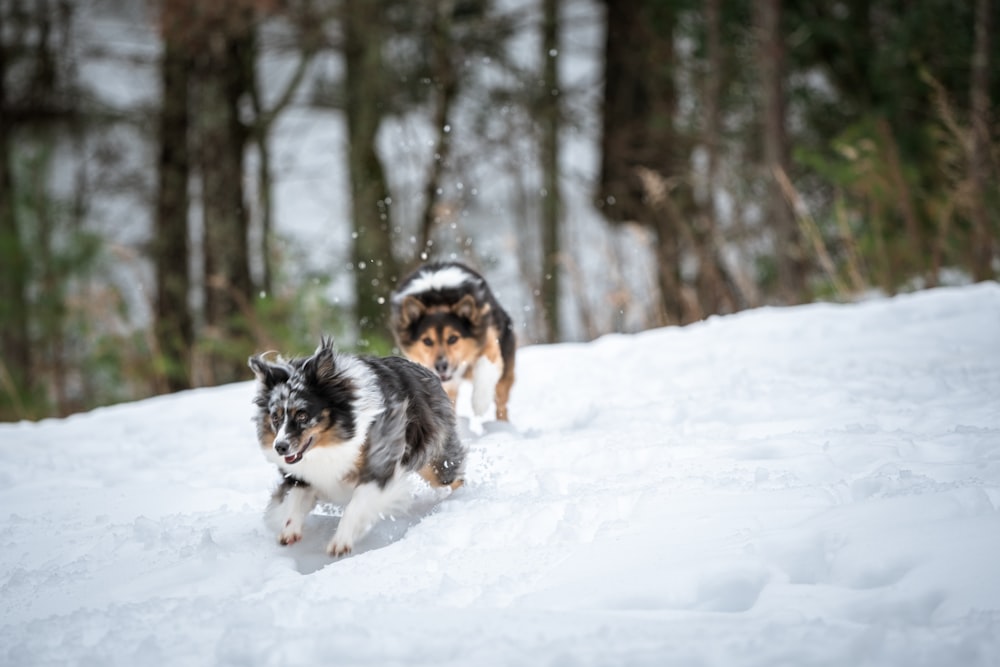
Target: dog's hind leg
{"x":369,"y":503}
{"x":503,"y":393}
{"x":508,"y":352}
{"x":449,"y":468}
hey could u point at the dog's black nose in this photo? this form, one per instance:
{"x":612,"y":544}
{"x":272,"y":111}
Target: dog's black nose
{"x":281,"y":447}
{"x":441,"y":365}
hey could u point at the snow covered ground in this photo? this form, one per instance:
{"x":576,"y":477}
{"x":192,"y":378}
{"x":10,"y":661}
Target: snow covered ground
{"x":806,"y":486}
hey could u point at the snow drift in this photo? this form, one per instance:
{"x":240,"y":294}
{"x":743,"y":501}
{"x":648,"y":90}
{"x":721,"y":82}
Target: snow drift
{"x":805,"y":486}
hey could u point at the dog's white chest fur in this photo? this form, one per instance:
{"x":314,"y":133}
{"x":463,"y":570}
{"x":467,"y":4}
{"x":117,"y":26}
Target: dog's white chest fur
{"x":326,"y":469}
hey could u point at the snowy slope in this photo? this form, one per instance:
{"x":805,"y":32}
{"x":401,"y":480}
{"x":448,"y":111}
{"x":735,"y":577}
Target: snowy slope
{"x":806,"y":486}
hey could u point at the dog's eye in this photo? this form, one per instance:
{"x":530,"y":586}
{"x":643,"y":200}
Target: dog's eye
{"x":428,"y":342}
{"x":452,"y":339}
{"x":302,"y":418}
{"x":276,"y":420}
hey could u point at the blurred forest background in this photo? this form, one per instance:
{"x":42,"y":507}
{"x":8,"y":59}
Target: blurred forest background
{"x":183,"y":183}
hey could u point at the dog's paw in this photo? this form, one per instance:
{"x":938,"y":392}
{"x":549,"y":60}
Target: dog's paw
{"x":289,"y":538}
{"x":337,"y":549}
{"x":290,"y":534}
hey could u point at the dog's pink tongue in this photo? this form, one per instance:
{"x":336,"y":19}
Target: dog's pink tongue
{"x":293,"y":458}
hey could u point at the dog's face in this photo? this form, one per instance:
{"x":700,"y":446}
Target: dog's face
{"x":302,"y":404}
{"x":441,"y":338}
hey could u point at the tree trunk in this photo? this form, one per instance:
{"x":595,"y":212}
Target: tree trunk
{"x":710,"y":288}
{"x":717,"y":289}
{"x":668,"y":274}
{"x":445,"y":81}
{"x":551,"y":198}
{"x":222,"y":81}
{"x":173,"y":322}
{"x":979,"y":167}
{"x":310,"y":29}
{"x":789,"y":254}
{"x":265,"y":206}
{"x":640,"y":145}
{"x":373,"y":260}
{"x":15,"y":344}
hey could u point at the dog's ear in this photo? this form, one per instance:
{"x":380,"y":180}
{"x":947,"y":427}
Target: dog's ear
{"x":322,"y":364}
{"x":468,"y":309}
{"x":411,"y":310}
{"x":267,"y":373}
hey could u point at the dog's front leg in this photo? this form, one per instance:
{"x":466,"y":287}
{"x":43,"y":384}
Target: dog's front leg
{"x":293,"y":510}
{"x":485,"y":375}
{"x":368,"y":502}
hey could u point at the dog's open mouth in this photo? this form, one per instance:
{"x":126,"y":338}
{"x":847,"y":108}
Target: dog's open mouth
{"x":297,"y":456}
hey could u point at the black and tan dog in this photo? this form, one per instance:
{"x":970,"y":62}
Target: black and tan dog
{"x":445,"y":317}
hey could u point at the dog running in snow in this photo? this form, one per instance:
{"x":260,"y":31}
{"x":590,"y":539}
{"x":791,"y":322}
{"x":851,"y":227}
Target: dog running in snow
{"x":347,"y":429}
{"x":445,"y":318}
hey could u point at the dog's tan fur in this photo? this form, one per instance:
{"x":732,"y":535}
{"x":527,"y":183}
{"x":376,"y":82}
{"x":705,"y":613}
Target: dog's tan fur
{"x":432,"y":327}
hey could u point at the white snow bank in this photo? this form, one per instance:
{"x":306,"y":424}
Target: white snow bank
{"x":804,"y":486}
